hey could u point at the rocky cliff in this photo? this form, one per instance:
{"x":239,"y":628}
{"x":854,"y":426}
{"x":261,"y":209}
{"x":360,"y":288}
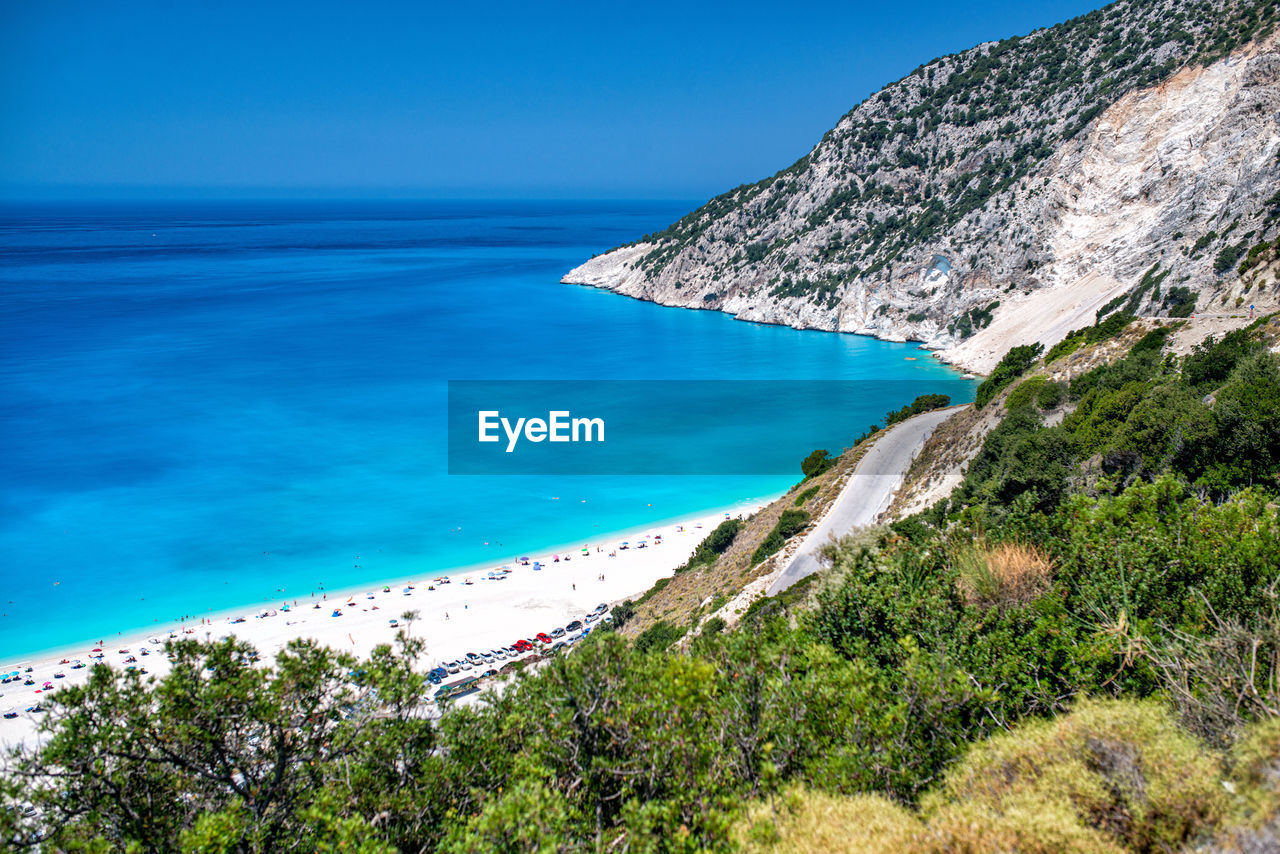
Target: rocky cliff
{"x":1128,"y":159}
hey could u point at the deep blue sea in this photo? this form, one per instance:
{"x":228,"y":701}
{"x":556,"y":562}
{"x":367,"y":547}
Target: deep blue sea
{"x":203,"y":404}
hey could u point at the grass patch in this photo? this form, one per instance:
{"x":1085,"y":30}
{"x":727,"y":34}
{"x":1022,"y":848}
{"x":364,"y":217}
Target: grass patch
{"x":1003,"y":575}
{"x":790,"y":523}
{"x":806,"y":495}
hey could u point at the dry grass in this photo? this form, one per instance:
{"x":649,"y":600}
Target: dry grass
{"x":1109,"y":777}
{"x":1255,"y":781}
{"x":1003,"y":575}
{"x":1125,"y":770}
{"x":680,"y":602}
{"x":799,"y":821}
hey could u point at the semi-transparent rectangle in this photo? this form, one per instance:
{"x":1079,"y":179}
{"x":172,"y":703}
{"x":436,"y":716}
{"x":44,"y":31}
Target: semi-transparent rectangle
{"x":685,"y":427}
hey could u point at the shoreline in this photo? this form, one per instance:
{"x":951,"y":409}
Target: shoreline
{"x":454,"y":618}
{"x":163,"y":629}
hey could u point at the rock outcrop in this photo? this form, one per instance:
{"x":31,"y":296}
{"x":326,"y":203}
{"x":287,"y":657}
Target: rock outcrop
{"x":1125,"y":160}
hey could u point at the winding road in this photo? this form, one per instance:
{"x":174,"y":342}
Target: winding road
{"x":867,"y":493}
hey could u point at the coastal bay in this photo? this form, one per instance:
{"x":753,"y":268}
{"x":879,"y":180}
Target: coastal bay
{"x":213,"y":405}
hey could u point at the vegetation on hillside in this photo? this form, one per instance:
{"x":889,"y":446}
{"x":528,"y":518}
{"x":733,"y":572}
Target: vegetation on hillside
{"x":1055,"y":657}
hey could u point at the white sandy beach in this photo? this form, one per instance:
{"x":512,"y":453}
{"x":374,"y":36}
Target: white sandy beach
{"x":454,"y":618}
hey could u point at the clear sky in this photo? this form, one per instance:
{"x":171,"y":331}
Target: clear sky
{"x":472,"y":99}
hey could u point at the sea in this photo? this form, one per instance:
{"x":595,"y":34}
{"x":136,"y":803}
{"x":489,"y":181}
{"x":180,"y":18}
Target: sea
{"x":211,"y":404}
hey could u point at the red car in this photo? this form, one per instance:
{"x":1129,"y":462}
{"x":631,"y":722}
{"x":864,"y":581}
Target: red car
{"x":522,"y":645}
{"x":543,"y":637}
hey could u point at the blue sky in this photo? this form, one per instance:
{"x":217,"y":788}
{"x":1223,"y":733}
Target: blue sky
{"x":600,"y":100}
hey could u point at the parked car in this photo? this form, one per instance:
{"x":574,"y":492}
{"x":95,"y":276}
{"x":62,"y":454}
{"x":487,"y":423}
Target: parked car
{"x":600,"y":609}
{"x":473,"y":656}
{"x":437,"y":674}
{"x":491,"y":672}
{"x":543,"y":637}
{"x":453,"y":666}
{"x":466,"y":665}
{"x":574,"y":626}
{"x":557,"y":633}
{"x":558,"y":647}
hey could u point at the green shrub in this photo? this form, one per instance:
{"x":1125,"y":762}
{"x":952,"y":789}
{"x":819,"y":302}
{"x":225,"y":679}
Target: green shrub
{"x":1227,"y":257}
{"x":713,"y":626}
{"x":1025,"y":392}
{"x":1180,"y":301}
{"x":660,"y":636}
{"x":1163,"y":553}
{"x":806,"y":495}
{"x":1015,"y":363}
{"x":923,"y":403}
{"x":1212,"y":360}
{"x":790,"y":523}
{"x":714,"y":544}
{"x":1074,"y":341}
{"x":1050,"y":395}
{"x":816,"y":463}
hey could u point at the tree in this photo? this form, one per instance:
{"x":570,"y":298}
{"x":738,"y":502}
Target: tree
{"x":816,"y":463}
{"x":251,"y":747}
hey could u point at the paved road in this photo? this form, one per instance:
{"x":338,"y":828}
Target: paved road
{"x":866,"y":494}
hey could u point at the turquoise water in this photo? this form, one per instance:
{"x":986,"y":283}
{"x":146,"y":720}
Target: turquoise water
{"x":203,"y":405}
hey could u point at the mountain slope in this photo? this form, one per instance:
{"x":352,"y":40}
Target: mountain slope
{"x":1005,"y":193}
